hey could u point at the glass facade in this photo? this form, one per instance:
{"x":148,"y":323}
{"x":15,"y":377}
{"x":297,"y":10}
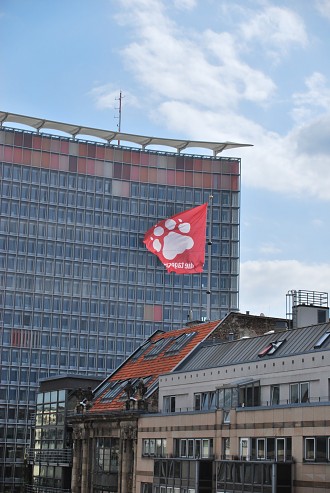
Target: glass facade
{"x":78,"y":289}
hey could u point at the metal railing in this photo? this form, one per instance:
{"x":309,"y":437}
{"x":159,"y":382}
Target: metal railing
{"x":43,"y":489}
{"x":58,"y":456}
{"x":310,"y":401}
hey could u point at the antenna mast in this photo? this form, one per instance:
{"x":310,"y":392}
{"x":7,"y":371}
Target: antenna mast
{"x":119,"y":112}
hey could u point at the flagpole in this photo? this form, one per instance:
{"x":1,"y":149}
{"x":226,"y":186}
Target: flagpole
{"x":209,"y":248}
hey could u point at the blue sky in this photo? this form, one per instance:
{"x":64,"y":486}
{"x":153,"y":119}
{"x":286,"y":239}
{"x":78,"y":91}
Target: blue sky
{"x":245,"y":71}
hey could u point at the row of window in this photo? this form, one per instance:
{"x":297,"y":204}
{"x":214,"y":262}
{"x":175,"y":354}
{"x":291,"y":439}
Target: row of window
{"x":243,"y":395}
{"x":81,"y":289}
{"x":45,"y":269}
{"x":315,"y":449}
{"x":75,"y":324}
{"x":82,"y":182}
{"x":108,"y":203}
{"x":66,"y":249}
{"x":11,"y":433}
{"x":192,"y":448}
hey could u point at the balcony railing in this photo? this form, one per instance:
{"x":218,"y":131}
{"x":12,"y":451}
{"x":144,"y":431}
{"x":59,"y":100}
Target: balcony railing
{"x":54,"y":456}
{"x":43,"y":489}
{"x":311,"y":401}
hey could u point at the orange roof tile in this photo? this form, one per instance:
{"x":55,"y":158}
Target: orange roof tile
{"x":142,"y":366}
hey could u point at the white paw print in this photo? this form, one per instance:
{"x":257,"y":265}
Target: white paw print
{"x":171,"y":242}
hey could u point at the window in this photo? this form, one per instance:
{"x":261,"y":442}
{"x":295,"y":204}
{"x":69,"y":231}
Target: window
{"x":274,"y":395}
{"x":169,"y":404}
{"x":146,"y":487}
{"x":158,"y":346}
{"x":280,"y":449}
{"x":154,"y":447}
{"x":249,"y":394}
{"x":205,"y":401}
{"x":183,"y":448}
{"x":261,"y":449}
{"x":244,"y":449}
{"x":107,"y":452}
{"x":299,"y":392}
{"x":309,"y":449}
{"x":228,"y":397}
{"x":193,"y":447}
{"x":271,"y":348}
{"x":179,"y":342}
{"x":226,"y":447}
{"x":316,"y":449}
{"x":321,"y":316}
{"x":322,"y":340}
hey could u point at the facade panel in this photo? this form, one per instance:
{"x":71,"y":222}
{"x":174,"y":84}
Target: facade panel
{"x":78,"y":290}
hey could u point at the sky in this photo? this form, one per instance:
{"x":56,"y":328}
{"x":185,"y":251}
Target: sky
{"x":249,"y":71}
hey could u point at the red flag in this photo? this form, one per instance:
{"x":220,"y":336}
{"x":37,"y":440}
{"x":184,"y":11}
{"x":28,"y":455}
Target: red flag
{"x":179,"y":242}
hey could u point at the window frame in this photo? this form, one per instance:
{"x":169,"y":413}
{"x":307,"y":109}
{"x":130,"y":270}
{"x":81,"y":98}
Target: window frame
{"x":300,"y":399}
{"x":313,"y":441}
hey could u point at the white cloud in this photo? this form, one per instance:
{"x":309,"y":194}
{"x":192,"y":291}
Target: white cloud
{"x":323,"y":6}
{"x":275,"y":163}
{"x":318,"y":223}
{"x":276,"y":29}
{"x":269,"y":249}
{"x":197,"y":83}
{"x":308,"y":104}
{"x":203,"y":69}
{"x":184,"y":4}
{"x":264,"y":284}
{"x":106,"y":97}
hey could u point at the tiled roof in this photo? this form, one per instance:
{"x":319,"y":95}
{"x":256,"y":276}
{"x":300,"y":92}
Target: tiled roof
{"x":145,"y":363}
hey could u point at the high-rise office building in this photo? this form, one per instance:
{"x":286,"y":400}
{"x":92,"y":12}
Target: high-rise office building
{"x":78,"y":289}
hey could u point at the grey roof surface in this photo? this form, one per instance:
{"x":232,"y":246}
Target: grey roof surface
{"x":215,"y":354}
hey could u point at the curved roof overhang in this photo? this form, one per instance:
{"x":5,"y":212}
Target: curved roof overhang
{"x":110,"y":135}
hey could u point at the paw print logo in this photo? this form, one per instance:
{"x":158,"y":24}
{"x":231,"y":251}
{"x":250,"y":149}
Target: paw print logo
{"x":169,"y":242}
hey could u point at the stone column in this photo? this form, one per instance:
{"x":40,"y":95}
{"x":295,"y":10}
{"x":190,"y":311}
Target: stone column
{"x":127,"y":436}
{"x":84,"y":462}
{"x":76,"y":461}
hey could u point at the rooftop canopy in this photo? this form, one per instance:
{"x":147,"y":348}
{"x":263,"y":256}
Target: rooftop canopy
{"x":111,"y":135}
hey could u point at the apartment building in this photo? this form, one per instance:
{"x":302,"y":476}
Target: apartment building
{"x":250,"y":415}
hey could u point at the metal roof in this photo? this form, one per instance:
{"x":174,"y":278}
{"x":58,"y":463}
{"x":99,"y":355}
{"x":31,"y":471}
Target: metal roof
{"x":112,"y":135}
{"x":219,"y":354}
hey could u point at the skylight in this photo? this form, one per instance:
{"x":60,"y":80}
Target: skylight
{"x":158,"y":346}
{"x":179,"y":343}
{"x":115,"y":389}
{"x":322,"y":340}
{"x":271,"y":348}
{"x":141,"y":350}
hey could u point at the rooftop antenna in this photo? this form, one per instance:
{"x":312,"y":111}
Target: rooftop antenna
{"x":119,"y":112}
